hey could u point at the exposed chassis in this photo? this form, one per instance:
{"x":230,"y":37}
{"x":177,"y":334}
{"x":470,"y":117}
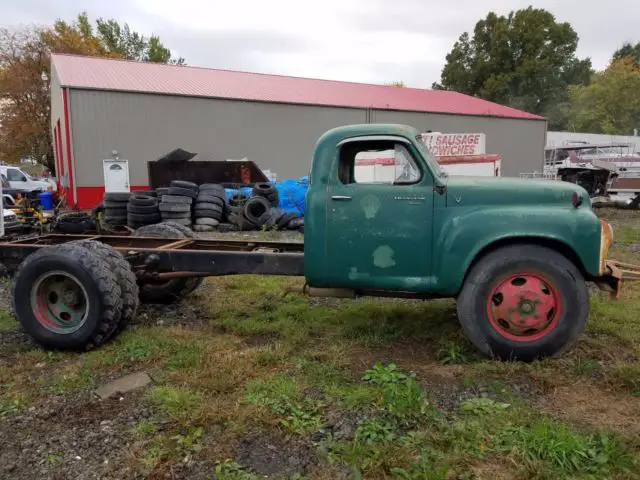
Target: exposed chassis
{"x":171,"y":258}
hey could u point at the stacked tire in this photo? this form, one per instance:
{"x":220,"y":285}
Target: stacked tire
{"x":115,"y":208}
{"x":175,"y":206}
{"x":210,"y":207}
{"x":142,"y":210}
{"x":266,"y":191}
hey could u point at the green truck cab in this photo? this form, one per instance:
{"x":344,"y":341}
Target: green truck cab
{"x":515,"y":253}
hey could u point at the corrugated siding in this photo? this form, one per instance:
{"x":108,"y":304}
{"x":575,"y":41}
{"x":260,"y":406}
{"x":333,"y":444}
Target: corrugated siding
{"x":142,"y":127}
{"x":519,"y":142}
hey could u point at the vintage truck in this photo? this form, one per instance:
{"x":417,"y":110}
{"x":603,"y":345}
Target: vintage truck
{"x":516,"y":254}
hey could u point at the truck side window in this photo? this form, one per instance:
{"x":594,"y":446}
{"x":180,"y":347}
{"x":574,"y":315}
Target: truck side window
{"x":377,"y":162}
{"x":14,"y":175}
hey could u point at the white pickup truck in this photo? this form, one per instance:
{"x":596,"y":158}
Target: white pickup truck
{"x":21,"y":180}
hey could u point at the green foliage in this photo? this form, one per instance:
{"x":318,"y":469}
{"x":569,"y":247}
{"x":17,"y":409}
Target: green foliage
{"x":385,"y":375}
{"x":7,"y":322}
{"x":564,"y":450}
{"x":11,"y":407}
{"x":452,"y":354}
{"x":525,"y":59}
{"x":483,"y":406}
{"x":375,"y":431}
{"x":230,"y":470}
{"x":628,"y":50}
{"x":611,"y":103}
{"x":176,"y":402}
{"x":189,"y":442}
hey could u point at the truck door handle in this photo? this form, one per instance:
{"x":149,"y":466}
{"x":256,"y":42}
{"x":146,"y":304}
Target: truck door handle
{"x":343,"y":198}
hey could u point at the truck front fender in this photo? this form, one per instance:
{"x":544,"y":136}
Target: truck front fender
{"x":464,"y":234}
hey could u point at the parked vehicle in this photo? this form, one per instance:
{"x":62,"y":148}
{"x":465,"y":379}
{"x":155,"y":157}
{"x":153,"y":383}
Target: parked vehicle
{"x":515,"y":254}
{"x":21,"y":180}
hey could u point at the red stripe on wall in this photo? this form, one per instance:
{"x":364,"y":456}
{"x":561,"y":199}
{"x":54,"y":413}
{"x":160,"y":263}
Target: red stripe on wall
{"x":89,"y":197}
{"x":70,"y":197}
{"x":60,"y":150}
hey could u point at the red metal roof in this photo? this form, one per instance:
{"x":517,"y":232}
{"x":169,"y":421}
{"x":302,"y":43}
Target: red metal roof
{"x":121,"y":75}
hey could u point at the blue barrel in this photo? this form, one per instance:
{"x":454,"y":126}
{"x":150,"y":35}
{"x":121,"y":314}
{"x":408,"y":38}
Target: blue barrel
{"x":46,"y":200}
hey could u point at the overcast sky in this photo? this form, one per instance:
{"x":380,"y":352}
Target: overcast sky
{"x":373,"y":41}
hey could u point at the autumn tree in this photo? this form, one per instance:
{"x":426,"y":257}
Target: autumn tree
{"x":611,"y":103}
{"x":525,"y":59}
{"x":25,"y":100}
{"x":628,"y":50}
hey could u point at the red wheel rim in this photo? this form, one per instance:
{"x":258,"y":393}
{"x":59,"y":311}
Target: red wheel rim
{"x":524,"y":307}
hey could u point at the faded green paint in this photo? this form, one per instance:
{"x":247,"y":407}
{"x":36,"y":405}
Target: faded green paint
{"x":423,"y":237}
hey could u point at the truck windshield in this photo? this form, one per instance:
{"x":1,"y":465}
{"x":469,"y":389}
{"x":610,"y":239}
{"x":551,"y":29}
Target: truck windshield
{"x":428,"y":157}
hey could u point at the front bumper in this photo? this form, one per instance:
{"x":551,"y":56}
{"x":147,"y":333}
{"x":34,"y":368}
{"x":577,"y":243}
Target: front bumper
{"x":615,"y":273}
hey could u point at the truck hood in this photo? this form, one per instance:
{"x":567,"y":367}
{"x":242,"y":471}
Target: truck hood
{"x":473,"y":191}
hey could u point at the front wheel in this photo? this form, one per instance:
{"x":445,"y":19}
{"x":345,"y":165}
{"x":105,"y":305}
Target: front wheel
{"x":523,"y":302}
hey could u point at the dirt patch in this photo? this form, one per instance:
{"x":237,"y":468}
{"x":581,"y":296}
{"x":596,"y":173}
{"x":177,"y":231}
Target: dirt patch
{"x":13,"y":342}
{"x":73,"y":436}
{"x":269,"y":453}
{"x":594,"y":407}
{"x":185,"y":313}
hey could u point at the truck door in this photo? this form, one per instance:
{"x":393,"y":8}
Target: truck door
{"x":379,"y":216}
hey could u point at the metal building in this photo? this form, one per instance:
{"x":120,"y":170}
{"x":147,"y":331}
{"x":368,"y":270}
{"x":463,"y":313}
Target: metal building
{"x":144,"y":110}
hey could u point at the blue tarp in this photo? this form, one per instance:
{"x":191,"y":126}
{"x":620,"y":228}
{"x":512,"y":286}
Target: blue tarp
{"x":291,"y":193}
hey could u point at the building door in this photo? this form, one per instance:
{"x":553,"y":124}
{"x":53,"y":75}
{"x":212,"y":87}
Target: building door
{"x":116,"y":175}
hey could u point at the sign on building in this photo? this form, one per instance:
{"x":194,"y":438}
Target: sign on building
{"x":455,"y":144}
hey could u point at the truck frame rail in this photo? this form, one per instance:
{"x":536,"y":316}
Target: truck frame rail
{"x":175,"y":258}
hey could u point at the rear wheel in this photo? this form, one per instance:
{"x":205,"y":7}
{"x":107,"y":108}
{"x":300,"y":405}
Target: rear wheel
{"x":523,"y":302}
{"x":67,"y":297}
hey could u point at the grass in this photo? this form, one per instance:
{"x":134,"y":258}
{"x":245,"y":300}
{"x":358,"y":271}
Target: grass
{"x":384,"y":388}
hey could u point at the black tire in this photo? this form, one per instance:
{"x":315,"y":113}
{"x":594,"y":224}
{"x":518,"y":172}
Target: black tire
{"x":131,"y":208}
{"x":263,"y":189}
{"x":113,"y":220}
{"x":142,"y":200}
{"x":115,"y":204}
{"x":203,"y":228}
{"x":212,"y":190}
{"x":136,"y":225}
{"x":125,"y":276}
{"x":74,"y":228}
{"x":171,"y":290}
{"x":182,"y":221}
{"x":207,"y":213}
{"x":147,"y":218}
{"x":176,"y":199}
{"x":115,"y":212}
{"x":255,"y":208}
{"x":180,"y":215}
{"x":183,"y":184}
{"x":103,"y":296}
{"x":184,"y":192}
{"x":186,"y":231}
{"x":212,"y":222}
{"x":162,"y":191}
{"x":175,"y":207}
{"x":283,"y":222}
{"x":296,"y":223}
{"x":240,"y":222}
{"x":208,"y":206}
{"x":117,"y":197}
{"x":210,"y":199}
{"x":553,"y":279}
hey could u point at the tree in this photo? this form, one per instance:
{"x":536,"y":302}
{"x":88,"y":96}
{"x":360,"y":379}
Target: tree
{"x":25,"y":100}
{"x":525,"y":59}
{"x":628,"y":50}
{"x":611,"y":103}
